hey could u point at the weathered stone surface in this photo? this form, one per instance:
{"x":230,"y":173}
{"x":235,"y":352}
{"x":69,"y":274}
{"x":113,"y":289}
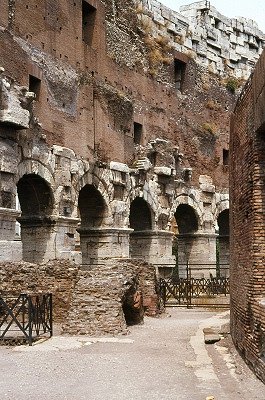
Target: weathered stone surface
{"x":211,"y":335}
{"x":100,"y":296}
{"x":87,"y":302}
{"x":13,"y":103}
{"x":56,"y":277}
{"x":215,"y":32}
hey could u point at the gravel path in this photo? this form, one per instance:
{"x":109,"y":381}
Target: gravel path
{"x":165,"y":358}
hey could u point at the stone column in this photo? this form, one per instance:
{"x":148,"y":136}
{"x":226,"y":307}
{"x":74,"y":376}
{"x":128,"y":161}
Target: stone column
{"x":65,"y":240}
{"x":154,"y":247}
{"x":48,"y":238}
{"x":38,"y":238}
{"x":10,"y":246}
{"x":197,"y":249}
{"x":99,"y":244}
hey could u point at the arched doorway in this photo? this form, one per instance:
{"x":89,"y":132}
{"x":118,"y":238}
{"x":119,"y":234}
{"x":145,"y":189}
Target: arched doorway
{"x":223,"y":242}
{"x":36,"y":202}
{"x":140,"y":215}
{"x":141,"y":222}
{"x":186,"y":218}
{"x":93,"y":209}
{"x":186,"y":241}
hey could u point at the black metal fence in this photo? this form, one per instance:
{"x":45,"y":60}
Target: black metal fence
{"x":30,"y":315}
{"x":196,"y":285}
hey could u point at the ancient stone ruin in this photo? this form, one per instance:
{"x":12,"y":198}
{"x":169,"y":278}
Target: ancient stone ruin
{"x":114,"y":142}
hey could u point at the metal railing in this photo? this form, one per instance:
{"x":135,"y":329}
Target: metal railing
{"x":197,"y":285}
{"x":30,"y":315}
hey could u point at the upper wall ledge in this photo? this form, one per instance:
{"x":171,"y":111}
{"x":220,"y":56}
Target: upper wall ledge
{"x":224,"y":45}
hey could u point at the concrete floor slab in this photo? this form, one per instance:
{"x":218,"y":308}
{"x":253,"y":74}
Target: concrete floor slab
{"x":166,"y":358}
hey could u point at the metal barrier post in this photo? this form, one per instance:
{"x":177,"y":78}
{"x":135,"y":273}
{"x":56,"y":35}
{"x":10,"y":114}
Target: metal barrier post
{"x":188,"y":285}
{"x":50,"y":313}
{"x":30,"y":319}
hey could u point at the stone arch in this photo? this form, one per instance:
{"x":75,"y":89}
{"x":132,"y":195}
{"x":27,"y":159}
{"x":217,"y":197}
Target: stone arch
{"x":98,"y":182}
{"x":223,"y":252}
{"x":223,"y":222}
{"x":92,"y":207}
{"x":28,"y":167}
{"x":37,"y":203}
{"x":192,"y":245}
{"x":186,"y":226}
{"x":141,"y":218}
{"x":185,"y":199}
{"x":221,"y":206}
{"x":93,"y":212}
{"x":186,"y":218}
{"x":147,"y":194}
{"x":35,"y":196}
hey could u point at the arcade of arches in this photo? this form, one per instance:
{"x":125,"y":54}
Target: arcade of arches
{"x":91,"y":235}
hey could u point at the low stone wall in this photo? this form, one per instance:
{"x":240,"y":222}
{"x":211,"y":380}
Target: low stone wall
{"x":92,"y":302}
{"x":101,"y":294}
{"x":58,"y":277}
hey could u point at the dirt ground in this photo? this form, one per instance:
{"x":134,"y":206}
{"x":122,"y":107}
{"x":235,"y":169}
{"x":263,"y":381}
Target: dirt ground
{"x":166,"y":358}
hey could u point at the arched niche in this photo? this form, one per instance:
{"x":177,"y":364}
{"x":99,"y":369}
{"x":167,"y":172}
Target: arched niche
{"x":223,"y":223}
{"x":92,"y":207}
{"x":187,"y":243}
{"x":36,"y":202}
{"x":186,"y":219}
{"x":223,"y":252}
{"x":98,"y":242}
{"x":35,"y":196}
{"x":140,"y":215}
{"x":141,"y":221}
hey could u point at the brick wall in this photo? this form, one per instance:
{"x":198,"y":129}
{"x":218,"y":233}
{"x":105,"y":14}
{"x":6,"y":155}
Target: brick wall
{"x":247,"y":197}
{"x":56,"y":277}
{"x":83,"y":88}
{"x":99,"y":296}
{"x":87,"y":302}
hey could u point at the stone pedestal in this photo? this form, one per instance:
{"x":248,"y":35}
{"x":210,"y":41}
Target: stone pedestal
{"x":154,"y":247}
{"x":199,"y":251}
{"x":38,"y":237}
{"x":10,"y":246}
{"x":99,"y":244}
{"x":65,"y":239}
{"x":47,"y":238}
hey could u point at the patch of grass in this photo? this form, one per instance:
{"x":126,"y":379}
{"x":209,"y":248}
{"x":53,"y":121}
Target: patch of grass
{"x":232,"y":84}
{"x":212,"y":105}
{"x":209,"y":127}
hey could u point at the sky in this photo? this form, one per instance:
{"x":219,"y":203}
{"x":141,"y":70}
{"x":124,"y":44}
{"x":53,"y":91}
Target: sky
{"x":253,"y":9}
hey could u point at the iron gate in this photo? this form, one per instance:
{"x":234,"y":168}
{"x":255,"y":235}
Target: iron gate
{"x":30,"y":315}
{"x":202,"y":285}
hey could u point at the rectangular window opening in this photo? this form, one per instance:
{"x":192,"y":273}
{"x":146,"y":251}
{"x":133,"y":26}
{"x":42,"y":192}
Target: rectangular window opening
{"x":118,"y":192}
{"x":225,"y":157}
{"x":34,"y":86}
{"x":179,"y":73}
{"x":137,"y":133}
{"x":88,"y":22}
